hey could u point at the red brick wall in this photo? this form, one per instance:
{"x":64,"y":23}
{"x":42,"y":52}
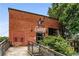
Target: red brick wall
{"x":22,"y":24}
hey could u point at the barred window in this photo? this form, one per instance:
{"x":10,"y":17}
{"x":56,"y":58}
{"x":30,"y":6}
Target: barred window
{"x":21,"y":39}
{"x":15,"y":39}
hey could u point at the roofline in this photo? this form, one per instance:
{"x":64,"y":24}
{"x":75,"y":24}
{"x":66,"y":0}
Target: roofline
{"x":32,"y":13}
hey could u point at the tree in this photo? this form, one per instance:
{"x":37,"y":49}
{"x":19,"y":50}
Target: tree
{"x":68,"y":14}
{"x":3,"y":38}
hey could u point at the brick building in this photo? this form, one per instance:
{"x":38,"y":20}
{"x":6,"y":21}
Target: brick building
{"x":25,"y":26}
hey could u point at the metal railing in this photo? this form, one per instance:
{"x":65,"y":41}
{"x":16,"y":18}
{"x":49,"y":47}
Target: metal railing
{"x":4,"y":45}
{"x":40,"y":50}
{"x":75,"y":44}
{"x":49,"y":52}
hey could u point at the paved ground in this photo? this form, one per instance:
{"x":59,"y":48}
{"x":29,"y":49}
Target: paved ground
{"x":17,"y":51}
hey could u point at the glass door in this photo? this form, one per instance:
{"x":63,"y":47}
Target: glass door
{"x":39,"y":36}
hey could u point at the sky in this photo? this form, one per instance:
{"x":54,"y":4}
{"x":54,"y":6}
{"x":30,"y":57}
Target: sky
{"x":39,"y":8}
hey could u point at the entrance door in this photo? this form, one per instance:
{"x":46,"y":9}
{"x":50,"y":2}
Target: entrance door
{"x":39,"y":36}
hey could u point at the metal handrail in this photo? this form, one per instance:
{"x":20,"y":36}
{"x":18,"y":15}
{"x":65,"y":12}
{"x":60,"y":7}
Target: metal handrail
{"x":4,"y":45}
{"x":53,"y":51}
{"x":40,"y":51}
{"x":3,"y":41}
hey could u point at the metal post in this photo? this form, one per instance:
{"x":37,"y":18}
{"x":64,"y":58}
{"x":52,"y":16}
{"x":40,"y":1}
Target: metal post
{"x":58,"y":33}
{"x":39,"y":50}
{"x":1,"y":51}
{"x":32,"y":48}
{"x":28,"y":46}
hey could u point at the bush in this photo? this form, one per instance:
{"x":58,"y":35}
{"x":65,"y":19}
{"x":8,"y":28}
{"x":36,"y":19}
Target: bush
{"x":3,"y":38}
{"x":58,"y":44}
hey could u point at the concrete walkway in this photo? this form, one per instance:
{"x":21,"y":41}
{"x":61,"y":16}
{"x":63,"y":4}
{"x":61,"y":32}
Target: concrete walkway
{"x":17,"y":51}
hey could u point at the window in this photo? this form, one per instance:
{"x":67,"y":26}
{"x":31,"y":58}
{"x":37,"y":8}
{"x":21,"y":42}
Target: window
{"x":52,"y":31}
{"x":21,"y":39}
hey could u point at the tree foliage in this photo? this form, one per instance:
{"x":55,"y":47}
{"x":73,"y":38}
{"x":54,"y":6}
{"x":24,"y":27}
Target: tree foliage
{"x":3,"y":38}
{"x":68,"y":14}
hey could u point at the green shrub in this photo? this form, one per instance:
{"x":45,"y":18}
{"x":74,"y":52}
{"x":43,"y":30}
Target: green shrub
{"x":59,"y":44}
{"x":3,"y":38}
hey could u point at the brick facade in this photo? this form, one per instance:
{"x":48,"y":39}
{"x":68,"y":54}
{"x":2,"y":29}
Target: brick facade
{"x":22,"y":26}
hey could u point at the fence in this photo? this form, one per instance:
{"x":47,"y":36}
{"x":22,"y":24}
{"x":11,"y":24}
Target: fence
{"x":40,"y":50}
{"x":4,"y":45}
